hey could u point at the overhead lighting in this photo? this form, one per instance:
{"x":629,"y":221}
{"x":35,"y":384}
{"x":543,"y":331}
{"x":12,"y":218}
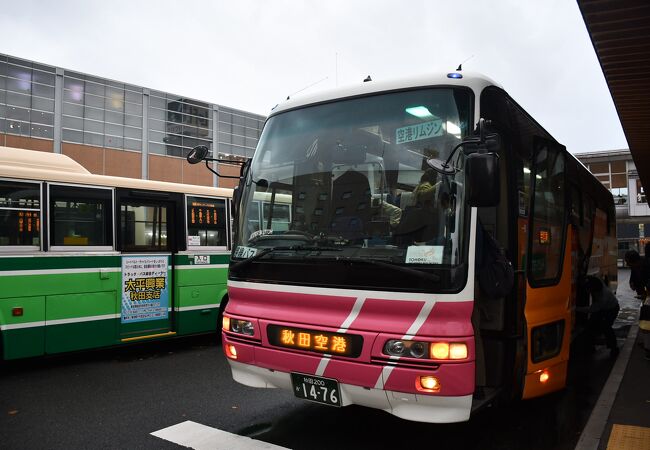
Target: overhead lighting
{"x":526,"y":170}
{"x":419,"y":111}
{"x":454,"y":129}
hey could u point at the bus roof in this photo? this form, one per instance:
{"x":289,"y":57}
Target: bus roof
{"x":476,"y":81}
{"x":42,"y":166}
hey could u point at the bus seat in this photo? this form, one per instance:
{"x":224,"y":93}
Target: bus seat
{"x":406,"y":199}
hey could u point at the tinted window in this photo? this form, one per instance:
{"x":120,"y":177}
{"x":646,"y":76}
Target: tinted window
{"x":144,"y":227}
{"x":20,"y":216}
{"x":206,"y":222}
{"x":80,"y":217}
{"x":547,"y":237}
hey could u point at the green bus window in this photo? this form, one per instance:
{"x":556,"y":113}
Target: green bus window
{"x":206,"y":222}
{"x":20,"y":214}
{"x":547,"y":237}
{"x":144,"y":227}
{"x":80,"y":217}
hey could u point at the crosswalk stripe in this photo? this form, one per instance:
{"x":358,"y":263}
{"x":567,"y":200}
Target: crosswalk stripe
{"x":202,"y":437}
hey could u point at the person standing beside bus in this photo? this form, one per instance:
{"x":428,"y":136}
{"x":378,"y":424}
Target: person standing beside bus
{"x":638,"y":273}
{"x":602,"y":312}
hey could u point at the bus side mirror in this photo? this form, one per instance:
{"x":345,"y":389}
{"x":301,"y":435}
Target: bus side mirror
{"x":484,"y":188}
{"x":236,"y":193}
{"x":197,"y":154}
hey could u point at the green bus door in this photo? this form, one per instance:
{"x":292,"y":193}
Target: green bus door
{"x":146,"y":233}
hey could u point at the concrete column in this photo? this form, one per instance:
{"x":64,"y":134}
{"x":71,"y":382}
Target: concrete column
{"x":58,"y":109}
{"x":145,"y":134}
{"x":215,"y":142}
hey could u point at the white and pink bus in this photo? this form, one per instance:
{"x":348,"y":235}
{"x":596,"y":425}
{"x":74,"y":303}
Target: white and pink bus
{"x":368,"y":291}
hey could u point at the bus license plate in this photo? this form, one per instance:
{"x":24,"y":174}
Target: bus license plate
{"x":316,"y":389}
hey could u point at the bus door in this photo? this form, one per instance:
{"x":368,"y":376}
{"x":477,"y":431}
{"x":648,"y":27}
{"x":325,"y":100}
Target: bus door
{"x":548,"y":291}
{"x":146,"y":226}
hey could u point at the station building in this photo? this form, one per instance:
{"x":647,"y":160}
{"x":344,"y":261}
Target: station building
{"x":116,"y":128}
{"x":617,"y":171}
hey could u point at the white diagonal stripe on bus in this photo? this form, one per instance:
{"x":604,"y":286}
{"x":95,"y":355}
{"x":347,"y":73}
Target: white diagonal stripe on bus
{"x":385,"y":372}
{"x":202,"y":437}
{"x":322,"y":365}
{"x":354,"y":313}
{"x":410,"y":334}
{"x":11,"y":273}
{"x":419,"y":321}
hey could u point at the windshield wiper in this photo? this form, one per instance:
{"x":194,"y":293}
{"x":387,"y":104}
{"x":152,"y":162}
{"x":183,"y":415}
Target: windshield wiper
{"x":284,"y":248}
{"x":410,"y":271}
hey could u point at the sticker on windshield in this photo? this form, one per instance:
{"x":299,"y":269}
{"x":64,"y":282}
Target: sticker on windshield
{"x":418,"y":132}
{"x":245,"y":252}
{"x":260,"y":233}
{"x":424,"y":254}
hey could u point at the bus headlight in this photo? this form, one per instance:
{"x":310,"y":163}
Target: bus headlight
{"x":422,"y":350}
{"x":238,"y":326}
{"x":411,"y":349}
{"x":395,"y":347}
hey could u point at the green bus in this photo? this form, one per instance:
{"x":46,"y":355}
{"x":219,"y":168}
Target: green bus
{"x":90,"y":261}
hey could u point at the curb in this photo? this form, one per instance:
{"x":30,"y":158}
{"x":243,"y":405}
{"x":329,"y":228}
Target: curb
{"x":592,"y":434}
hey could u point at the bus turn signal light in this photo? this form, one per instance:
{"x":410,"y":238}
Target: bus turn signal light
{"x":225,"y":323}
{"x":17,"y":312}
{"x":544,"y":376}
{"x":457,"y":350}
{"x":445,"y":350}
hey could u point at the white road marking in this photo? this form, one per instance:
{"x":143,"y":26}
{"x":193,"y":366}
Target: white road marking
{"x":202,"y":437}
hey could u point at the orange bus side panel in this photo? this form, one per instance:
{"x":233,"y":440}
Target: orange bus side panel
{"x":546,"y":305}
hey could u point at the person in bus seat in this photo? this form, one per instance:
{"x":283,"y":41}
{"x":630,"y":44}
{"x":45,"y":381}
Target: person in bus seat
{"x":602,"y":312}
{"x":420,"y":221}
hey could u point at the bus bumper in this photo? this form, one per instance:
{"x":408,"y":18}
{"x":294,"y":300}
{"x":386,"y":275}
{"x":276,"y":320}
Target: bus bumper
{"x":420,"y":407}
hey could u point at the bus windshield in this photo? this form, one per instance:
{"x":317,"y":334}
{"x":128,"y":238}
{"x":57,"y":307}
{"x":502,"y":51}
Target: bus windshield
{"x":350,"y":178}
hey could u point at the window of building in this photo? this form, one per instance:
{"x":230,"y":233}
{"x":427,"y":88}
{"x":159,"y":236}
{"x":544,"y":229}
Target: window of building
{"x":640,"y":192}
{"x":20,"y":215}
{"x":26,"y":98}
{"x":111,"y":112}
{"x":177,"y":124}
{"x":620,"y":195}
{"x":206,"y":222}
{"x":80,"y":217}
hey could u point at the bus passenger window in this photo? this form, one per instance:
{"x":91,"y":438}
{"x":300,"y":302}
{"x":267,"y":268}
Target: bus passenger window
{"x":20,"y":214}
{"x":80,"y":217}
{"x":144,"y":227}
{"x":206,"y":222}
{"x":547,"y":229}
